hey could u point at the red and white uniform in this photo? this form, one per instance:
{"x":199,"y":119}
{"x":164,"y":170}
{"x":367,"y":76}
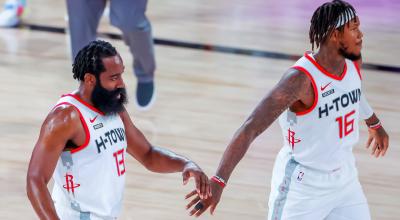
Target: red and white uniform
{"x":315,"y":172}
{"x":323,"y":136}
{"x":89,"y":180}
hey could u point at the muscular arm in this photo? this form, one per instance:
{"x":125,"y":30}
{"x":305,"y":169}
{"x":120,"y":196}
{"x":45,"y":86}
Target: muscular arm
{"x":60,"y":126}
{"x":153,"y":158}
{"x":294,"y":86}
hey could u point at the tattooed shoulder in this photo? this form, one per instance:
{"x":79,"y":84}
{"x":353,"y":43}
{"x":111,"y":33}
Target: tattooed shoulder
{"x":296,"y":84}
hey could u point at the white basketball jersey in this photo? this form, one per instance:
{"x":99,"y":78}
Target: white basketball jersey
{"x":323,"y":136}
{"x":90,"y":179}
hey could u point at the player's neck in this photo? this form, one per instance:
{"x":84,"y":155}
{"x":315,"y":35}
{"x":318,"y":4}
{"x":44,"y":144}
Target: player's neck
{"x":84,"y":94}
{"x":331,"y":61}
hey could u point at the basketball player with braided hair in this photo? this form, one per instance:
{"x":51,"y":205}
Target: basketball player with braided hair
{"x":83,"y":144}
{"x":319,"y":102}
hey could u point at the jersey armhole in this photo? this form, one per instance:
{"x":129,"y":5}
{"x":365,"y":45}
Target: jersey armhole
{"x":314,"y":85}
{"x":85,"y":127}
{"x":358,"y":69}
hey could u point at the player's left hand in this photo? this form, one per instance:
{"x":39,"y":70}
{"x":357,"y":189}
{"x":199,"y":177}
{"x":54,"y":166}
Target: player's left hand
{"x":380,"y":141}
{"x":202,"y":182}
{"x":201,"y":205}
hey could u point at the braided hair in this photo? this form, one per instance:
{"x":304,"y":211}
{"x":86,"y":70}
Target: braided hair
{"x":327,"y":18}
{"x":89,"y":59}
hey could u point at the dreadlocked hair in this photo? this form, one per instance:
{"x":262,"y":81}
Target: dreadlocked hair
{"x":325,"y":19}
{"x":89,"y":59}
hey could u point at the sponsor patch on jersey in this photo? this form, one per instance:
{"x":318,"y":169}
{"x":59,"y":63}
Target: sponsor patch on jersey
{"x":98,"y":126}
{"x":329,"y":92}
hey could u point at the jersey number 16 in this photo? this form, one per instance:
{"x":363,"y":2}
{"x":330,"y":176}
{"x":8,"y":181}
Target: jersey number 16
{"x":346,"y":124}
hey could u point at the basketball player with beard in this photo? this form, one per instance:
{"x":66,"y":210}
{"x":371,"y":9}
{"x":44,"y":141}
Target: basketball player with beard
{"x":83,"y":144}
{"x":319,"y":102}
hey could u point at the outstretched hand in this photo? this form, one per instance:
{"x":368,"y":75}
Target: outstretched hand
{"x":202,"y":183}
{"x":203,"y":204}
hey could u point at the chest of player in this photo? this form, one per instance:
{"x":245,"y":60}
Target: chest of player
{"x":107,"y":134}
{"x":337,"y":97}
{"x":106,"y":146}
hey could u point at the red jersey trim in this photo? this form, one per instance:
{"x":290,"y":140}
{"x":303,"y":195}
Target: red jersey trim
{"x":84,"y":103}
{"x":358,"y":69}
{"x":314,"y":87}
{"x":320,"y":68}
{"x":85,"y":127}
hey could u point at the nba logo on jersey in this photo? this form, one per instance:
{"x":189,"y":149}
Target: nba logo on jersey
{"x":300,"y":176}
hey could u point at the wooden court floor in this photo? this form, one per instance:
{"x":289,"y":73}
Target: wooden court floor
{"x":202,"y":98}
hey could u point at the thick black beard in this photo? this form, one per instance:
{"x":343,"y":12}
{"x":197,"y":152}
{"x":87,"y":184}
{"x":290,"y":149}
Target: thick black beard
{"x":350,"y":56}
{"x":107,"y":101}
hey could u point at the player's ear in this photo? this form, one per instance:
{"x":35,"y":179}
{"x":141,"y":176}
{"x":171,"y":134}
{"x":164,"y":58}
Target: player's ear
{"x":89,"y":79}
{"x":335,"y":35}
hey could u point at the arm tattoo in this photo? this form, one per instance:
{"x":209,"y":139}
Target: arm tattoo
{"x":293,"y":86}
